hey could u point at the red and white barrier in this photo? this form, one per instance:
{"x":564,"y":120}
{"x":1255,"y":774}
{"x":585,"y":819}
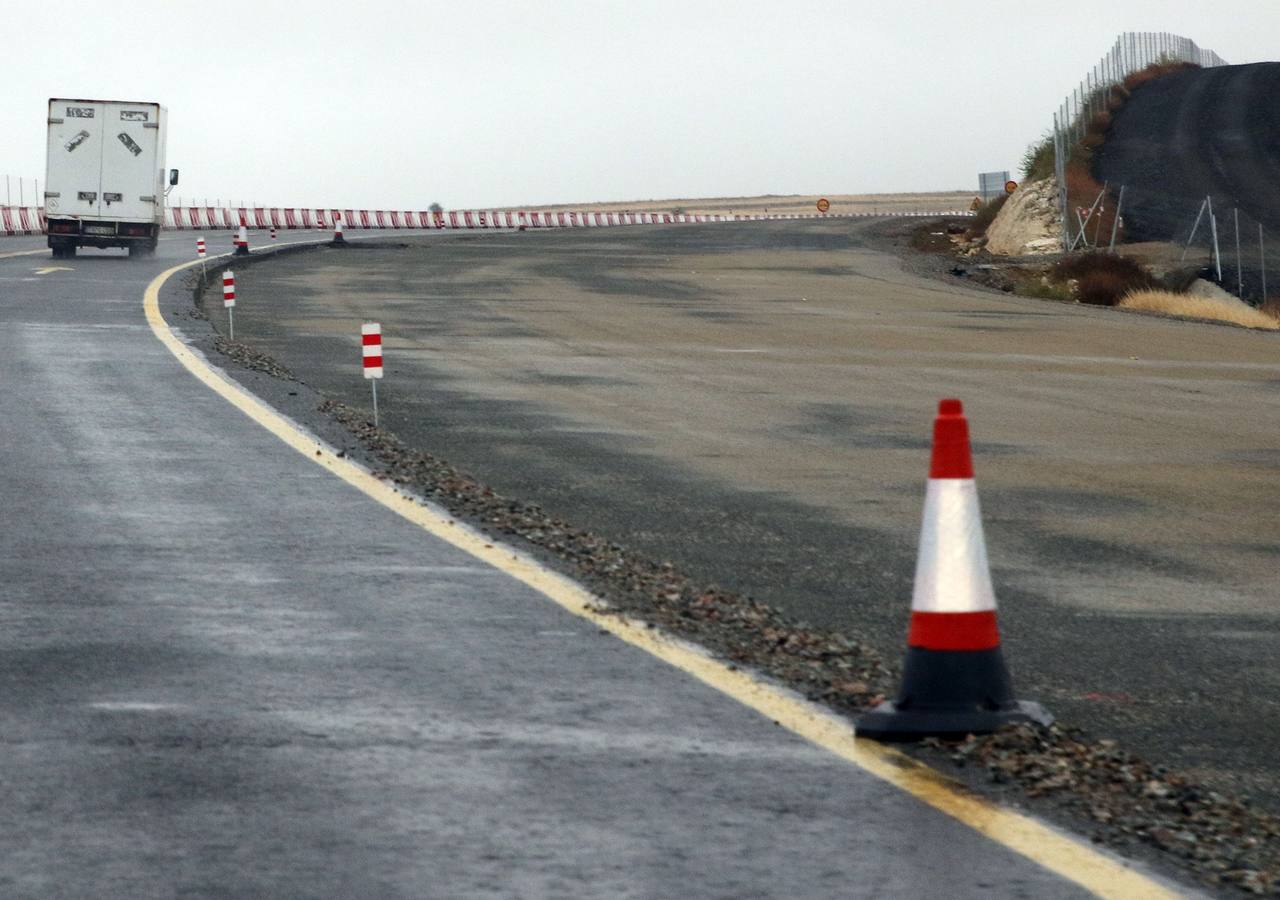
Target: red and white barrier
{"x":16,"y":220}
{"x":31,"y":220}
{"x":200,"y":249}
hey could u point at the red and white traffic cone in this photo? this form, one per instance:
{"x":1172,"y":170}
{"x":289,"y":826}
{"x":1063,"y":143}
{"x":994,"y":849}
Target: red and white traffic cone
{"x":337,"y":232}
{"x":242,"y":242}
{"x":954,"y":680}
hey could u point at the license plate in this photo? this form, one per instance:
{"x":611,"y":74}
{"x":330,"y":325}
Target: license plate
{"x":99,"y":229}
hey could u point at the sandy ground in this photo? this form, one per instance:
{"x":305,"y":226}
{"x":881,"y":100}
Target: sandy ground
{"x":939,"y":201}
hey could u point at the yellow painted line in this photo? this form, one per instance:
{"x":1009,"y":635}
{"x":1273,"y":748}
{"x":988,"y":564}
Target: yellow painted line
{"x":49,"y":269}
{"x":24,"y":253}
{"x":1067,"y":857}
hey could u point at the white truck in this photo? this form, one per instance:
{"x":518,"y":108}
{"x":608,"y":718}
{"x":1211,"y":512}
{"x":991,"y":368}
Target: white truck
{"x":105,"y":178}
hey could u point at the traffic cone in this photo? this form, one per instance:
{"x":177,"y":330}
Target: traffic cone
{"x":338,"y":239}
{"x":954,"y":680}
{"x":242,"y":242}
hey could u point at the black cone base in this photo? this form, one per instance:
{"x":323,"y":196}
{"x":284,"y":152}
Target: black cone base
{"x":338,"y":241}
{"x":949,"y":694}
{"x":242,"y":250}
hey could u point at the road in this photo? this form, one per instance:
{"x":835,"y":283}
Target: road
{"x":230,"y":673}
{"x":753,"y":403}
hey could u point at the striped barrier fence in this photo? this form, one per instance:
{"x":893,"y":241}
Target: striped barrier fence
{"x":31,"y":220}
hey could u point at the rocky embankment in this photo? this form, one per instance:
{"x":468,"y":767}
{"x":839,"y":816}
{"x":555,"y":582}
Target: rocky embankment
{"x":1029,"y":224}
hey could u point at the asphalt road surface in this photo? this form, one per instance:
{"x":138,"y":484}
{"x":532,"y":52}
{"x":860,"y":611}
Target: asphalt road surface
{"x":227,"y":673}
{"x":753,"y":402}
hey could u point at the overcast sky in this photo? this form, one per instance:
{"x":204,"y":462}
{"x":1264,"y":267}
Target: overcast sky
{"x":396,"y":105}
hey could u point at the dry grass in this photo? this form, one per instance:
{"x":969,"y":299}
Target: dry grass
{"x":1184,"y":306}
{"x":1156,"y":70}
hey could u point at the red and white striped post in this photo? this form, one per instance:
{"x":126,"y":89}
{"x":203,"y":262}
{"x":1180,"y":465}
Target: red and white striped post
{"x":273,"y":232}
{"x":200,"y":252}
{"x":371,"y":341}
{"x":229,"y":300}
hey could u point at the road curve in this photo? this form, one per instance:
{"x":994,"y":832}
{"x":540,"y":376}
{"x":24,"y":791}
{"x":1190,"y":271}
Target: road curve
{"x":229,"y":673}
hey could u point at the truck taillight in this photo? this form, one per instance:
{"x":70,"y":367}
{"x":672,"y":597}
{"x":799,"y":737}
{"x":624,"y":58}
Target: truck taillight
{"x":63,"y":228}
{"x":136,"y":230}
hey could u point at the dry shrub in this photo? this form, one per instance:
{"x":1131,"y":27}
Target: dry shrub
{"x":985,"y":215}
{"x":1102,"y":278}
{"x":1222,"y":309}
{"x":1271,"y":308}
{"x":1152,"y":72}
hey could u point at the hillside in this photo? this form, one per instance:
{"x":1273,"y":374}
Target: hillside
{"x":1194,"y":133}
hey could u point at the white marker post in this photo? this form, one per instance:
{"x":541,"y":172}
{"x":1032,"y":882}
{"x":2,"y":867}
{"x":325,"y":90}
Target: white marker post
{"x":229,"y":300}
{"x":371,"y":341}
{"x":200,"y":252}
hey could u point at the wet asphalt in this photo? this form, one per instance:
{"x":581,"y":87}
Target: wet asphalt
{"x":227,"y":673}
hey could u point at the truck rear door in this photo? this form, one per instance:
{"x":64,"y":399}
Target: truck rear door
{"x":73,"y":182}
{"x":130,"y":163}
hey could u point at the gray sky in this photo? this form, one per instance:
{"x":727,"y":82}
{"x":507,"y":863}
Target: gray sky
{"x":396,"y":105}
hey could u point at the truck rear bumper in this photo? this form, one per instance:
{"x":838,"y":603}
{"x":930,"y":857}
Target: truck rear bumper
{"x":98,"y":233}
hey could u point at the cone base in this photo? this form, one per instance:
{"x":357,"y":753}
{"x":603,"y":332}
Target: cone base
{"x":338,"y":241}
{"x":241,"y":251}
{"x":888,"y":723}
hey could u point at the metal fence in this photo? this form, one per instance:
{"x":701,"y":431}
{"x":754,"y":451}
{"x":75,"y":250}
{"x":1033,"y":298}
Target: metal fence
{"x":1231,"y":247}
{"x":19,"y":192}
{"x":1132,"y":52}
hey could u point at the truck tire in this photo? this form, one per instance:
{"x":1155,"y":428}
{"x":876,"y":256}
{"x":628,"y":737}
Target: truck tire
{"x":64,"y":251}
{"x":143,"y":248}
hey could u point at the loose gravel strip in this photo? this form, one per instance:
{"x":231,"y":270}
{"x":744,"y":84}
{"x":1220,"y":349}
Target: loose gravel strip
{"x":1088,"y":784}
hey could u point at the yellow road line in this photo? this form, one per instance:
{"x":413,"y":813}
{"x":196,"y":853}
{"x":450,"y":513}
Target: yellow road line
{"x":24,"y":253}
{"x":1067,"y":857}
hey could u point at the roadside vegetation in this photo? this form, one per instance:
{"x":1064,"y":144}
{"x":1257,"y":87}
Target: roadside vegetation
{"x":985,"y":215}
{"x":1231,"y":310}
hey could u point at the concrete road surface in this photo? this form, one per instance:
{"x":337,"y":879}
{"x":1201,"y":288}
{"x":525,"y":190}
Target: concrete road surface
{"x":228,"y":673}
